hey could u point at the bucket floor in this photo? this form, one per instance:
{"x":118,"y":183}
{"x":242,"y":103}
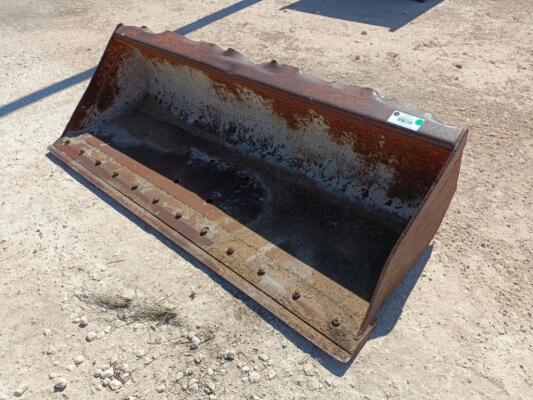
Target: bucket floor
{"x":317,"y":256}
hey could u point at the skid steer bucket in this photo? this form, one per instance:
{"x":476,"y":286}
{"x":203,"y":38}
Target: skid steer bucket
{"x":314,"y":198}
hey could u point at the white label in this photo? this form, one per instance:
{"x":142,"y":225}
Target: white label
{"x":406,"y":120}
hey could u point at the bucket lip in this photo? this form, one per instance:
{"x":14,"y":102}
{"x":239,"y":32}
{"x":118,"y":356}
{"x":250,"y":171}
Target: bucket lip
{"x":359,"y":102}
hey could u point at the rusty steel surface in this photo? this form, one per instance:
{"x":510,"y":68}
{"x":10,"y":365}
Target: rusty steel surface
{"x":296,"y":190}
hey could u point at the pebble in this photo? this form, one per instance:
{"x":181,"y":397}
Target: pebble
{"x":108,"y":373}
{"x":98,"y":373}
{"x":193,"y":385}
{"x":229,"y":355}
{"x":100,"y":334}
{"x":314,"y":384}
{"x":60,"y":384}
{"x":107,"y":329}
{"x":139,"y":353}
{"x":105,"y":382}
{"x":78,"y":360}
{"x":20,"y":390}
{"x":299,"y":396}
{"x":161,"y":388}
{"x":53,"y":375}
{"x":195,"y":342}
{"x":263,"y":357}
{"x":113,"y":360}
{"x":83,"y":322}
{"x":209,"y":388}
{"x":51,"y":350}
{"x":198,"y":359}
{"x":70,"y":367}
{"x":47,"y":332}
{"x":271,"y":374}
{"x":309,"y":370}
{"x":210,"y":371}
{"x":329,"y":382}
{"x":253,"y":377}
{"x":115,"y":385}
{"x":91,"y":336}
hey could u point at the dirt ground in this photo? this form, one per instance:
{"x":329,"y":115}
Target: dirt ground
{"x":67,"y":252}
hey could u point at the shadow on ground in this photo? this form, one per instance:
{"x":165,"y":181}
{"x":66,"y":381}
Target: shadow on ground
{"x":387,"y":317}
{"x":392,"y":14}
{"x":40,"y":94}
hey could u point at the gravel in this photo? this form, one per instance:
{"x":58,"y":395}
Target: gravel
{"x":309,"y":370}
{"x":229,"y":355}
{"x":253,"y":377}
{"x":83,"y":322}
{"x":263,"y":357}
{"x":161,"y":388}
{"x":115,"y":385}
{"x":51,"y":350}
{"x":108,"y":373}
{"x":60,"y":384}
{"x":91,"y":336}
{"x":78,"y":360}
{"x":194,"y":342}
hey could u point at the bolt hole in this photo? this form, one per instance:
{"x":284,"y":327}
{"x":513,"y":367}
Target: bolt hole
{"x":155,"y":201}
{"x":178,"y":215}
{"x":203,"y":231}
{"x":134,"y":187}
{"x":209,"y":201}
{"x":67,"y":141}
{"x":177,"y":180}
{"x":81,"y":152}
{"x":335,"y":322}
{"x":296,"y":295}
{"x":230,"y":251}
{"x":261,"y":271}
{"x":114,"y":175}
{"x":97,"y":163}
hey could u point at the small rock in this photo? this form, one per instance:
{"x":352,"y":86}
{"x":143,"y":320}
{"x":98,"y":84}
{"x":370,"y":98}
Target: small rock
{"x":193,"y":385}
{"x":100,"y":334}
{"x":210,"y":371}
{"x":364,"y":33}
{"x":20,"y":390}
{"x":108,"y":373}
{"x":98,"y":373}
{"x":195,"y":342}
{"x":271,"y":374}
{"x":76,"y":320}
{"x":139,"y":353}
{"x":229,"y":355}
{"x":53,"y":375}
{"x":47,"y":332}
{"x":263,"y":357}
{"x":78,"y":360}
{"x":51,"y":350}
{"x":107,"y":329}
{"x":329,"y":382}
{"x":189,"y":371}
{"x":209,"y":388}
{"x":91,"y":336}
{"x":309,"y":370}
{"x":105,"y":382}
{"x":83,"y":322}
{"x":115,"y":384}
{"x":70,"y":367}
{"x":314,"y":384}
{"x":299,"y":396}
{"x":161,"y":388}
{"x":459,"y":66}
{"x":253,"y":377}
{"x":60,"y":384}
{"x":198,"y":359}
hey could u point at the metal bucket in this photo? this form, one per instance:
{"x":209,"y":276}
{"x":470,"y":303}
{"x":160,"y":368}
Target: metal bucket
{"x":314,"y":198}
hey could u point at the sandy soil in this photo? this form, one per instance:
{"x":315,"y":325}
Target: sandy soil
{"x":65,"y":249}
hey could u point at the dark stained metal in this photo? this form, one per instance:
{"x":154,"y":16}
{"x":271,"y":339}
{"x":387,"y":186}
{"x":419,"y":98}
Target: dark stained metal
{"x":298,"y":191}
